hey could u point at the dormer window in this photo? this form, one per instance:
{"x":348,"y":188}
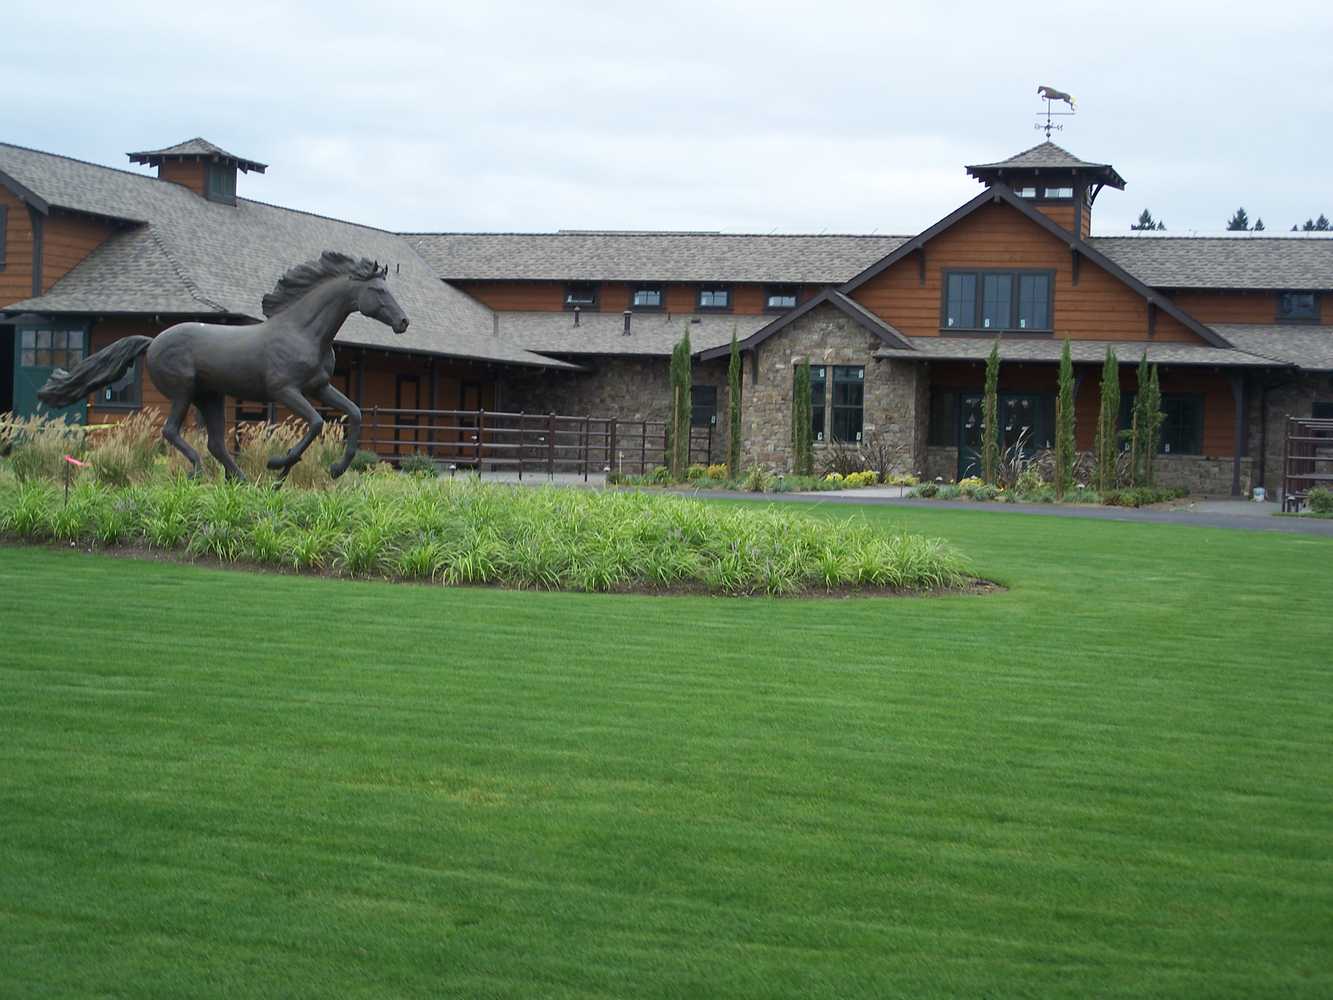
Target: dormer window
{"x":716,"y":298}
{"x":646,"y":298}
{"x":582,"y":295}
{"x":220,"y":183}
{"x":1298,"y":307}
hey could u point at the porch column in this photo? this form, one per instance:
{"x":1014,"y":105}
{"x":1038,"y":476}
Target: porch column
{"x":1237,"y":380}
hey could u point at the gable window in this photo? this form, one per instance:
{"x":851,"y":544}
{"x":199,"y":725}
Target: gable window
{"x":647,"y":297}
{"x":997,"y":301}
{"x":778,"y":298}
{"x":847,"y":391}
{"x":715,"y":297}
{"x":1182,"y":422}
{"x":220,"y":182}
{"x":703,"y":405}
{"x":582,"y":295}
{"x":1298,"y":307}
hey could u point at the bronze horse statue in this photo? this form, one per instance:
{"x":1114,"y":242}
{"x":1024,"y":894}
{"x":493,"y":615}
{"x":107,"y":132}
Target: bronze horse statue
{"x":282,"y":360}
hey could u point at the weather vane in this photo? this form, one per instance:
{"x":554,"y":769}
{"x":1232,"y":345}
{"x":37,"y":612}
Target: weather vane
{"x":1051,"y":94}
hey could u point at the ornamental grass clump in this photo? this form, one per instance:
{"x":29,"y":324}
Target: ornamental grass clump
{"x":463,"y":531}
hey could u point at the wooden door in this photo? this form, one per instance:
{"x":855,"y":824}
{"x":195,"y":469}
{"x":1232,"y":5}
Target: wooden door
{"x":407,"y":396}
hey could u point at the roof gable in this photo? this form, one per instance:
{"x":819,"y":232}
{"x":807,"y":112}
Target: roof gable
{"x":862,"y":316}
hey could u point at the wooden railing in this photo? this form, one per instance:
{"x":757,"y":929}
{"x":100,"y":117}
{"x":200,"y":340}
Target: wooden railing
{"x":1307,"y":460}
{"x":524,"y":443}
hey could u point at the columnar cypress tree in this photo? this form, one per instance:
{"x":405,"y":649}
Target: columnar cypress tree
{"x":1065,"y":446}
{"x":734,"y":408}
{"x":990,"y":423}
{"x":802,"y":417}
{"x":1108,"y":424}
{"x":1138,"y":445}
{"x":678,"y":424}
{"x":1153,"y":414}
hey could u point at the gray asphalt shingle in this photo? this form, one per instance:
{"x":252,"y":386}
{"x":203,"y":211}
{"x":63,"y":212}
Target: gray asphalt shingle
{"x":1083,"y":351}
{"x":1243,"y":261}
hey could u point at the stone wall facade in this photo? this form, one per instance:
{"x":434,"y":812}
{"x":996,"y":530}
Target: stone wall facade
{"x":895,"y":401}
{"x":1292,"y":396}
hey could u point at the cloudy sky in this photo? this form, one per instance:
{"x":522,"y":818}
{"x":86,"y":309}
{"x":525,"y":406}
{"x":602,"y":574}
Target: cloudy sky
{"x":740,"y":117}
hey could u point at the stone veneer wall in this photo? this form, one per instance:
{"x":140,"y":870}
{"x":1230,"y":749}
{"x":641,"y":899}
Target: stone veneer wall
{"x":633,"y":388}
{"x":896,"y":392}
{"x":1293,"y":396}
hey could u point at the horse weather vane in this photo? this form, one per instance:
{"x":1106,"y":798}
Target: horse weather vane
{"x":1051,"y":95}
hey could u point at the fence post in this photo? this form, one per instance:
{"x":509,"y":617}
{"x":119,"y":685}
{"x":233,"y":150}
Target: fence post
{"x":585,"y":447}
{"x":481,"y":427}
{"x":550,"y":446}
{"x":643,"y":449}
{"x":375,"y":426}
{"x":522,"y":449}
{"x":611,"y":446}
{"x":708,"y":459}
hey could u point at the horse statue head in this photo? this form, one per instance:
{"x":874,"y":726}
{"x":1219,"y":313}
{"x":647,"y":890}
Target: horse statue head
{"x":371,"y":296}
{"x":375,"y":301}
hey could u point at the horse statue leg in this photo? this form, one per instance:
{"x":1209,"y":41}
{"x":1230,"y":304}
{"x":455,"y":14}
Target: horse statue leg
{"x":171,"y":431}
{"x":298,"y":404}
{"x":213,"y":407}
{"x":330,"y":396}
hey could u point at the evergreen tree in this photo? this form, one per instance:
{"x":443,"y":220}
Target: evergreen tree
{"x":1161,"y":226}
{"x":1065,"y":447}
{"x":734,"y":408}
{"x":1108,"y":423}
{"x":802,"y":420}
{"x":1240,"y":222}
{"x":990,"y":423}
{"x":678,"y":426}
{"x":1321,"y":224}
{"x":1258,"y":225}
{"x":1153,"y":411}
{"x":1146,"y":221}
{"x":1140,"y":454}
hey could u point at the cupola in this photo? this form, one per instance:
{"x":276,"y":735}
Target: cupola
{"x":1057,"y":182}
{"x":197,"y":164}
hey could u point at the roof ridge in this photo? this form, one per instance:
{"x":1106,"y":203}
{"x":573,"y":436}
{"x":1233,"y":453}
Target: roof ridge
{"x":635,"y":234}
{"x":87,"y":163}
{"x":188,"y":282}
{"x":327,"y":218}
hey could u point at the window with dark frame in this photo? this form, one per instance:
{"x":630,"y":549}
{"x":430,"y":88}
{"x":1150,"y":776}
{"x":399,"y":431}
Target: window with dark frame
{"x":818,"y":395}
{"x":581,"y":295}
{"x":848,"y":401}
{"x":1182,"y":422}
{"x":45,"y":348}
{"x":998,"y":301}
{"x":646,"y":297}
{"x":942,"y":432}
{"x":220,"y":182}
{"x":126,"y":392}
{"x":715,"y":297}
{"x":703,"y":405}
{"x":779,"y":298}
{"x":1298,"y":307}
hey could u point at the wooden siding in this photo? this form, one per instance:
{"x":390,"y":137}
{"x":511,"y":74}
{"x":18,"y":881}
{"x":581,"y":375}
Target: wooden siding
{"x":67,"y":238}
{"x":1219,"y":407}
{"x":1240,"y":306}
{"x":613,"y":296}
{"x":1100,"y":307}
{"x":16,"y":276}
{"x":1061,"y":212}
{"x":189,"y":174}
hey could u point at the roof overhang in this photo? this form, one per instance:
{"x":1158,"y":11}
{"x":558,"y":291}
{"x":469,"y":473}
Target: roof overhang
{"x":24,"y":194}
{"x":862,"y":316}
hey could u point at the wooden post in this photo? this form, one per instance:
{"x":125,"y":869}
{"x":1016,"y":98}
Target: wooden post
{"x":550,"y":446}
{"x":643,"y":449}
{"x":611,"y":445}
{"x":481,"y":427}
{"x":522,"y":448}
{"x":585,"y":447}
{"x":1238,"y":449}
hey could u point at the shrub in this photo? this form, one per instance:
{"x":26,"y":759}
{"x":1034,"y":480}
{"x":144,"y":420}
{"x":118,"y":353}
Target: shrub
{"x":716,"y":471}
{"x":466,"y":531}
{"x":833,"y":477}
{"x":1141,"y":496}
{"x":1029,"y":480}
{"x":949,"y":492}
{"x":37,"y":446}
{"x":660,"y":476}
{"x":900,"y":479}
{"x":983,"y":492}
{"x":695,"y":472}
{"x":363,"y":461}
{"x":1321,"y":500}
{"x":859,"y":479}
{"x":926,"y":490}
{"x":418,"y":464}
{"x":757,"y":479}
{"x":125,"y":453}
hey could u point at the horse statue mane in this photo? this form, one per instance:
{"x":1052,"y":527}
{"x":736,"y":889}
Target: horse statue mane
{"x":300,"y":279}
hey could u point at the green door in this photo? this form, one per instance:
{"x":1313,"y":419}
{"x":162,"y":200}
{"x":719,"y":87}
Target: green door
{"x":39,"y":351}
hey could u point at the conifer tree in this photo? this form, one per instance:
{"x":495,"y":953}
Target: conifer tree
{"x":1107,"y":446}
{"x":1153,"y":414}
{"x":1240,"y":222}
{"x":1065,"y":447}
{"x":1141,"y":428}
{"x":678,"y":425}
{"x":734,"y":408}
{"x":1258,"y":225}
{"x":802,"y":420}
{"x":990,"y":423}
{"x":1146,"y":221}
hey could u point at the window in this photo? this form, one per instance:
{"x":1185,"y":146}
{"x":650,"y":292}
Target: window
{"x":781,"y":297}
{"x":581,"y":296}
{"x":1182,"y":422}
{"x":1026,"y":192}
{"x":848,"y":399}
{"x":715,"y":297}
{"x":50,"y":348}
{"x":943,"y":428}
{"x":703,"y":405}
{"x":1298,"y":307}
{"x":818,"y":385}
{"x":998,"y":301}
{"x":4,"y":226}
{"x":220,"y":180}
{"x":1321,"y":410}
{"x":1059,"y":193}
{"x":647,"y":297}
{"x":126,"y":392}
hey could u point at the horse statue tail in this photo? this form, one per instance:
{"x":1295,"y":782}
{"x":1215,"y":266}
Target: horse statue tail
{"x":93,"y":372}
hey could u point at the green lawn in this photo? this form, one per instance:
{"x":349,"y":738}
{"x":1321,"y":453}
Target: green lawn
{"x":1114,"y":779}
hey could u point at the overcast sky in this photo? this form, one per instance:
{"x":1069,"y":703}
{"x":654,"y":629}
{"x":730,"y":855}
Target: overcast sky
{"x":740,"y":117}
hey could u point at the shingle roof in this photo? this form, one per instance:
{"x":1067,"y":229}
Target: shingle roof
{"x":1086,"y":351}
{"x":197,"y":257}
{"x":649,"y":256}
{"x":195,"y":147}
{"x":1295,"y":262}
{"x":603,"y":333}
{"x":1044,"y":154}
{"x":1308,"y":347}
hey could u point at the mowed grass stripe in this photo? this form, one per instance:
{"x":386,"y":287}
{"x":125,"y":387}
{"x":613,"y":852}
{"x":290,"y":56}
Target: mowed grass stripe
{"x":1104,"y":781}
